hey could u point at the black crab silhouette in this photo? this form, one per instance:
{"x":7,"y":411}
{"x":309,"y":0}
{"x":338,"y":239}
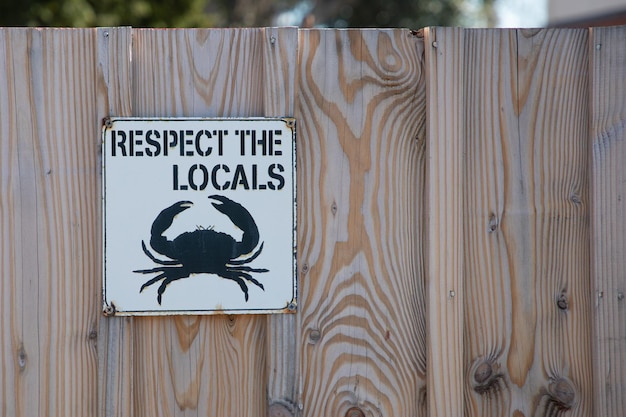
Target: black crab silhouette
{"x":204,"y":250}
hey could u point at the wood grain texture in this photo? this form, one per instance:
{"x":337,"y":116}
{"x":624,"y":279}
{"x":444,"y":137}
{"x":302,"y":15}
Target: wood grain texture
{"x":48,"y":220}
{"x":526,"y":247}
{"x":445,"y":164}
{"x":608,"y":241}
{"x":183,"y":72}
{"x":196,"y":365}
{"x":116,"y":341}
{"x":360,"y":191}
{"x":280,"y":63}
{"x":460,"y":237}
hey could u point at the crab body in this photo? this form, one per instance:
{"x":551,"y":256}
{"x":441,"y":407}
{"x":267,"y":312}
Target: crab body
{"x":200,"y":250}
{"x":204,"y":251}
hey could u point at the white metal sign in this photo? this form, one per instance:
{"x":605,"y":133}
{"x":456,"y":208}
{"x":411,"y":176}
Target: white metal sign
{"x":199,"y":216}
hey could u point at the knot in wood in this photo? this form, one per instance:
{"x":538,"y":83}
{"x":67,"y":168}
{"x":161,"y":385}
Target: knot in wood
{"x":487,"y":378}
{"x":492,"y":224}
{"x":355,"y":412}
{"x":563,"y":393}
{"x":483,"y":372}
{"x":279,"y":410}
{"x":21,"y":357}
{"x":561,"y":302}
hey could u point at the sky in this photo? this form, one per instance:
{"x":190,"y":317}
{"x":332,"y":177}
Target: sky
{"x":510,"y":14}
{"x":521,"y":13}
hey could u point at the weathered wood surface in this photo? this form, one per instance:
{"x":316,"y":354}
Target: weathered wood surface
{"x":205,"y":365}
{"x":49,"y":209}
{"x":444,"y":219}
{"x":361,"y":140}
{"x":280,"y":63}
{"x":608,"y":238}
{"x":527,"y":228}
{"x":512,"y":143}
{"x":461,"y":227}
{"x":116,"y":334}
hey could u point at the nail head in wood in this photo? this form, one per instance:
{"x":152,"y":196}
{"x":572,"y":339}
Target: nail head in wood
{"x":109,"y":311}
{"x":315,"y":335}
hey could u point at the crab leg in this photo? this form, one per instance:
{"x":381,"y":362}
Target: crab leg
{"x":152,"y":281}
{"x":248,"y":277}
{"x":154,"y":258}
{"x":164,"y":272}
{"x":246,"y":268}
{"x":149,"y":271}
{"x":233,"y":275}
{"x":165,"y":283}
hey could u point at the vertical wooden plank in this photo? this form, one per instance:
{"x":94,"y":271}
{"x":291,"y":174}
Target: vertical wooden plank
{"x":360,"y":188}
{"x":553,"y":103}
{"x":48,"y":218}
{"x":198,"y":365}
{"x":280,"y":58}
{"x":13,"y":354}
{"x":608,"y":216}
{"x":495,"y":181}
{"x":115,"y":344}
{"x":14,"y":236}
{"x":445,"y":150}
{"x":280,"y":61}
{"x":527,"y":331}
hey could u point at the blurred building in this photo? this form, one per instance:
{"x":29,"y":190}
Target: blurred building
{"x":584,"y":13}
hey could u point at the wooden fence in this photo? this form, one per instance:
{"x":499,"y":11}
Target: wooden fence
{"x":461,"y":223}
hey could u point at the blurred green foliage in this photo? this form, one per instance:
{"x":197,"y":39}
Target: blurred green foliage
{"x":86,"y":13}
{"x":231,"y":13}
{"x":386,"y":13}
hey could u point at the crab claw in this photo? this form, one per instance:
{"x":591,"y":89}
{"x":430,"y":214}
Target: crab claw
{"x":241,"y":218}
{"x":163,"y":221}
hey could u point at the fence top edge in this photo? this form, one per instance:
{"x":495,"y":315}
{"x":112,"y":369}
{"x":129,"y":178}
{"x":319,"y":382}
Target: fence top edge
{"x":244,"y":29}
